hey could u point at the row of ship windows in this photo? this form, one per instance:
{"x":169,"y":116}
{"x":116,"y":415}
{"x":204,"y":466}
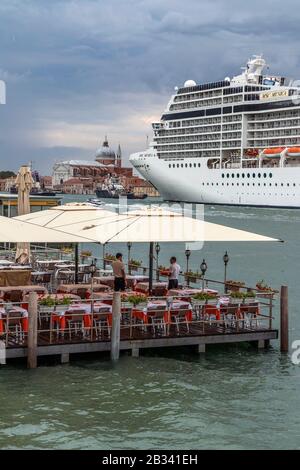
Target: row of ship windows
{"x":275,"y":115}
{"x":185,"y":165}
{"x":247,"y":175}
{"x":248,"y":184}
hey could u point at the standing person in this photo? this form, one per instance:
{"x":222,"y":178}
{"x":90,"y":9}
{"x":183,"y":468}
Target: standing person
{"x":174,"y":273}
{"x":119,"y":273}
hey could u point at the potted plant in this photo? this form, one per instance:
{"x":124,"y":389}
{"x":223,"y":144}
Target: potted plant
{"x":263,"y":287}
{"x":136,"y":299}
{"x":249,"y":297}
{"x":192,"y":276}
{"x":52,"y":303}
{"x":234,"y":286}
{"x":163,"y":271}
{"x":109,"y":258}
{"x":203,"y":298}
{"x":242,"y":297}
{"x":85,"y":254}
{"x":237,"y":297}
{"x":134,"y":264}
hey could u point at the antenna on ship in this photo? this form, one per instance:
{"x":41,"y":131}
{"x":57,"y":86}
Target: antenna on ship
{"x":147,"y":141}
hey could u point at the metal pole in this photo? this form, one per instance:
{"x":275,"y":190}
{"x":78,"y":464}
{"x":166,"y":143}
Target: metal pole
{"x":225,"y":277}
{"x":115,"y":329}
{"x":76,"y":262}
{"x":103,"y":256}
{"x":187,"y":270}
{"x":32,"y":330}
{"x":129,"y":267}
{"x":151,"y":246}
{"x":284,"y":320}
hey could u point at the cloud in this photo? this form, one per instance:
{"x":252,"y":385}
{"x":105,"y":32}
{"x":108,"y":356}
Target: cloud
{"x":77,"y":69}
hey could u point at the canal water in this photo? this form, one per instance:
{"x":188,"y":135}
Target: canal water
{"x":233,"y":398}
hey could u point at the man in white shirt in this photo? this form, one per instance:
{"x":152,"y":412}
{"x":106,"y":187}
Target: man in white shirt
{"x":174,"y":273}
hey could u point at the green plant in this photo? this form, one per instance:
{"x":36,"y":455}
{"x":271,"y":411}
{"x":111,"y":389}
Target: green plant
{"x":85,"y":254}
{"x":262,"y":285}
{"x":192,"y":275}
{"x":242,"y":295}
{"x":135,"y":299}
{"x":135,"y":263}
{"x":52,"y":301}
{"x":110,"y":257}
{"x":237,"y":295}
{"x":204,"y":296}
{"x":235,"y":283}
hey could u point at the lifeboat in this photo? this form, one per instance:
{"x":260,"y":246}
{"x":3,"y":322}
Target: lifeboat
{"x":275,"y":152}
{"x":294,"y":152}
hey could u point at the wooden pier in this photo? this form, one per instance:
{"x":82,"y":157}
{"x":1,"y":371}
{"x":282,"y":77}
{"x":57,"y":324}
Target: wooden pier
{"x":200,"y":335}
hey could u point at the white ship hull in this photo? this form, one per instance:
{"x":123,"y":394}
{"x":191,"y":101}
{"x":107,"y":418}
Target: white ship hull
{"x":275,"y":187}
{"x":232,"y":142}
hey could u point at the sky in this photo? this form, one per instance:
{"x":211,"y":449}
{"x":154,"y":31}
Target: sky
{"x":76,"y":70}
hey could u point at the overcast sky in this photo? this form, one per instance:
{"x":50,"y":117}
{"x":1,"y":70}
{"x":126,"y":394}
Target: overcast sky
{"x":76,"y":70}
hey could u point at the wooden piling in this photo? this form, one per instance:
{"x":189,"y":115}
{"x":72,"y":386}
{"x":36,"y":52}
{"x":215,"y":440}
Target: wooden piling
{"x":115,"y":329}
{"x":32,"y":330}
{"x":284,"y":319}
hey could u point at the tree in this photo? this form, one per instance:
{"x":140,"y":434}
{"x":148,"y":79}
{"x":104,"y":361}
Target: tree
{"x":6,"y":174}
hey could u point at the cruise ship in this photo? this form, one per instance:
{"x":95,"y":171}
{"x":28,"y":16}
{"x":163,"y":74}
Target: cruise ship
{"x":232,"y":142}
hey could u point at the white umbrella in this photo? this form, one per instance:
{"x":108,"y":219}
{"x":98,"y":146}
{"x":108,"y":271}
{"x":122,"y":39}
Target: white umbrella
{"x":18,"y":231}
{"x":160,"y":225}
{"x":143,"y":225}
{"x":69,"y":218}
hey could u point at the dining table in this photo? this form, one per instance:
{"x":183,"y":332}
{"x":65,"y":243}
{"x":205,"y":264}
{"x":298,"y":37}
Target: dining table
{"x":144,"y":314}
{"x":131,"y":280}
{"x":73,"y":288}
{"x":187,"y":293}
{"x":40,"y":290}
{"x":14,"y":277}
{"x":159,"y":288}
{"x":87,"y":310}
{"x":4,"y":315}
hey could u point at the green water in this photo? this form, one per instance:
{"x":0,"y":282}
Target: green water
{"x":234,"y":398}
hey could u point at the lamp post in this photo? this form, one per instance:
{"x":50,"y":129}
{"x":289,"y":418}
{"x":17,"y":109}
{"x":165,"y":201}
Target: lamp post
{"x":225,"y":259}
{"x":157,"y":250}
{"x":187,"y":254}
{"x":203,"y":267}
{"x":129,"y":246}
{"x":103,"y":255}
{"x":92,"y":270}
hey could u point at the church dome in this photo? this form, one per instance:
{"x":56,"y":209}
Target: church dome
{"x":105,"y":152}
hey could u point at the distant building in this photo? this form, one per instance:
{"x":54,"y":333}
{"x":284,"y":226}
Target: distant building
{"x":79,"y":186}
{"x":7,"y":183}
{"x":63,"y":171}
{"x":69,"y":176}
{"x":46,"y":182}
{"x":145,"y":188}
{"x":105,"y":155}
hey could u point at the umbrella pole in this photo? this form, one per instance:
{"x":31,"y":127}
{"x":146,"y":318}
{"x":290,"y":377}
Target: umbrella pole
{"x":151,"y":246}
{"x":76,"y":262}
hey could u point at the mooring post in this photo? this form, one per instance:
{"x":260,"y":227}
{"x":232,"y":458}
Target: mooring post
{"x":32,"y":330}
{"x":284,"y":319}
{"x":115,"y":329}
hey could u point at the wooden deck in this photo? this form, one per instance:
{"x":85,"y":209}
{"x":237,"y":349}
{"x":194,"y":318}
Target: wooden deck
{"x":136,"y":339}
